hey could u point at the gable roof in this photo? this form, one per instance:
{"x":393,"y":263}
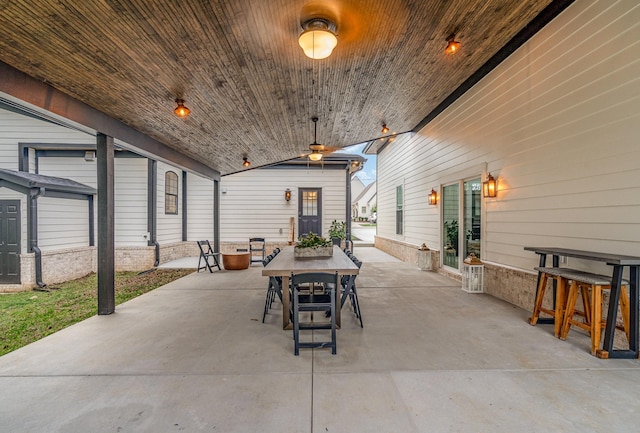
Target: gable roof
{"x":364,"y":192}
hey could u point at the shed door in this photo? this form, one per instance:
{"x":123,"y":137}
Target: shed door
{"x":10,"y":241}
{"x":310,"y":211}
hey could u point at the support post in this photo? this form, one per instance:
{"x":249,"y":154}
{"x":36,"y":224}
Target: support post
{"x":216,"y":216}
{"x":106,"y":248}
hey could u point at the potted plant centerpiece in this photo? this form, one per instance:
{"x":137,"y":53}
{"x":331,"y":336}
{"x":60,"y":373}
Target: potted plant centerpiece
{"x":311,"y":245}
{"x":338,"y":231}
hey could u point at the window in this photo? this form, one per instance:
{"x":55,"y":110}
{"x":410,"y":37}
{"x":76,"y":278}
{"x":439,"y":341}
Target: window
{"x":450,"y":225}
{"x":170,"y":193}
{"x":399,"y":214}
{"x":364,"y":210}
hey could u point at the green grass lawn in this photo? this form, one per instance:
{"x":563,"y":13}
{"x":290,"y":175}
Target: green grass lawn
{"x":29,"y":316}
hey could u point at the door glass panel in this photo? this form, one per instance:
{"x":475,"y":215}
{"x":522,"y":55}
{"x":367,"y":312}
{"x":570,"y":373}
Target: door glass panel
{"x":450,"y":225}
{"x":309,"y":203}
{"x":471,"y":211}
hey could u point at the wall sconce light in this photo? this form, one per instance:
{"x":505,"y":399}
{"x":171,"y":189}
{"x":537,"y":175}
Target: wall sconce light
{"x":181,"y":111}
{"x":245,"y":162}
{"x":433,"y":197}
{"x":287,"y":194}
{"x":90,"y":155}
{"x":452,"y":45}
{"x":489,"y":187}
{"x":384,"y":128}
{"x":318,"y":38}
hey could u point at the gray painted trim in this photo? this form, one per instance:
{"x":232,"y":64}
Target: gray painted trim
{"x":92,"y":228}
{"x":152,"y":188}
{"x":184,"y":206}
{"x":106,"y":229}
{"x":42,"y":95}
{"x":348,"y":203}
{"x":23,"y":158}
{"x":216,"y":215}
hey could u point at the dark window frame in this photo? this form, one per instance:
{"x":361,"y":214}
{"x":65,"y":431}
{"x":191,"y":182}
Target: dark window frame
{"x":171,"y":193}
{"x":400,"y":209}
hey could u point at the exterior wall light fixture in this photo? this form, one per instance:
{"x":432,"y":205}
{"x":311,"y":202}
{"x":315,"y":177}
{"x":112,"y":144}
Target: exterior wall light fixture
{"x":489,"y":187}
{"x":287,"y":194}
{"x":433,"y":197}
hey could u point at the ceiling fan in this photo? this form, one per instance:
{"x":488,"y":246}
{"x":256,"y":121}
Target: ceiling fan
{"x":317,"y":150}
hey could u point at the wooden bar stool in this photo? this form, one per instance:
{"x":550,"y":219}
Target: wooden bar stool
{"x":560,"y":299}
{"x":591,"y":287}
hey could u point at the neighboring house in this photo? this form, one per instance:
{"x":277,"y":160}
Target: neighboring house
{"x":47,"y":188}
{"x":366,"y":201}
{"x":356,"y":189}
{"x":557,"y":124}
{"x":254,"y":202}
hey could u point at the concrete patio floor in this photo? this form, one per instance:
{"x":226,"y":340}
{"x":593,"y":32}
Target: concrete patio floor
{"x":194,"y":356}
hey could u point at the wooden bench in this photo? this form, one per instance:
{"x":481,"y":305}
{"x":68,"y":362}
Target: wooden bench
{"x":591,"y":287}
{"x":557,"y":312}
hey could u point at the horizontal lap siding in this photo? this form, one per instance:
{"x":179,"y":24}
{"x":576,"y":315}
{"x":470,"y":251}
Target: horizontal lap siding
{"x":169,"y":226}
{"x":254,"y":203}
{"x":130,"y":201}
{"x":69,"y":168}
{"x":558,"y":124}
{"x":62,"y":223}
{"x":16,"y":128}
{"x":199,"y":208}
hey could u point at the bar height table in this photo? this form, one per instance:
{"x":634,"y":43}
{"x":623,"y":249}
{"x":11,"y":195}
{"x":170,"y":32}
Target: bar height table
{"x":618,"y":262}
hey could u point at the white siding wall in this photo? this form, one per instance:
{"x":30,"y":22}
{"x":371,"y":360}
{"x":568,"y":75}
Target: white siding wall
{"x":200,"y":208}
{"x":70,"y":168}
{"x":62,"y":223}
{"x":169,"y":226}
{"x":130,"y":201}
{"x":254,"y":203}
{"x":558,"y":124}
{"x":16,"y":128}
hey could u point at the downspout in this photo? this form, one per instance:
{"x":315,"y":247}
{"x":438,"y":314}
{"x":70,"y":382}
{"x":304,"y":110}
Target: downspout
{"x":152,"y":192}
{"x":33,"y":233}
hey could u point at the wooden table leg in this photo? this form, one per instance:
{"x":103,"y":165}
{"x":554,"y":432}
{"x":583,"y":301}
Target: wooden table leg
{"x":286,"y":302}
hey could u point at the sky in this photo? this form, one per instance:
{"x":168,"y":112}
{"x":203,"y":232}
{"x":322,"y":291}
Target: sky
{"x":368,"y":173}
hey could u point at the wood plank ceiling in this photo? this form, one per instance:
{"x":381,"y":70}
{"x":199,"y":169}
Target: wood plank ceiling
{"x":238,"y":66}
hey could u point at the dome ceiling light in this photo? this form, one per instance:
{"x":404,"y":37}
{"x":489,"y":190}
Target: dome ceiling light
{"x":318,"y":38}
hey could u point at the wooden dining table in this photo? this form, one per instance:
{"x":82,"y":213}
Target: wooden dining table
{"x":284,"y":264}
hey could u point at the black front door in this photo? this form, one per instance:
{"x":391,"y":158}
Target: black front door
{"x":10,"y":241}
{"x":310,"y":211}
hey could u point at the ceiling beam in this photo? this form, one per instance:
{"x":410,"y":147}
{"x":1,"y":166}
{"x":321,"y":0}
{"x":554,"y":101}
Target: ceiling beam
{"x":45,"y":97}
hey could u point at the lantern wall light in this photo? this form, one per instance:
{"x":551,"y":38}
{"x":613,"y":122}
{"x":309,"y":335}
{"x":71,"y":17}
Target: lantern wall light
{"x":489,"y":187}
{"x":433,"y":197}
{"x":287,"y":194}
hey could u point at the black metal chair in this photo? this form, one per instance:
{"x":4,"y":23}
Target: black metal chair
{"x":349,"y":290}
{"x":206,"y":253}
{"x":257,"y":245}
{"x":315,"y":300}
{"x":273,"y":288}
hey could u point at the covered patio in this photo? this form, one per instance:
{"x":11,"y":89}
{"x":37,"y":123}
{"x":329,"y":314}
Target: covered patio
{"x":194,"y":356}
